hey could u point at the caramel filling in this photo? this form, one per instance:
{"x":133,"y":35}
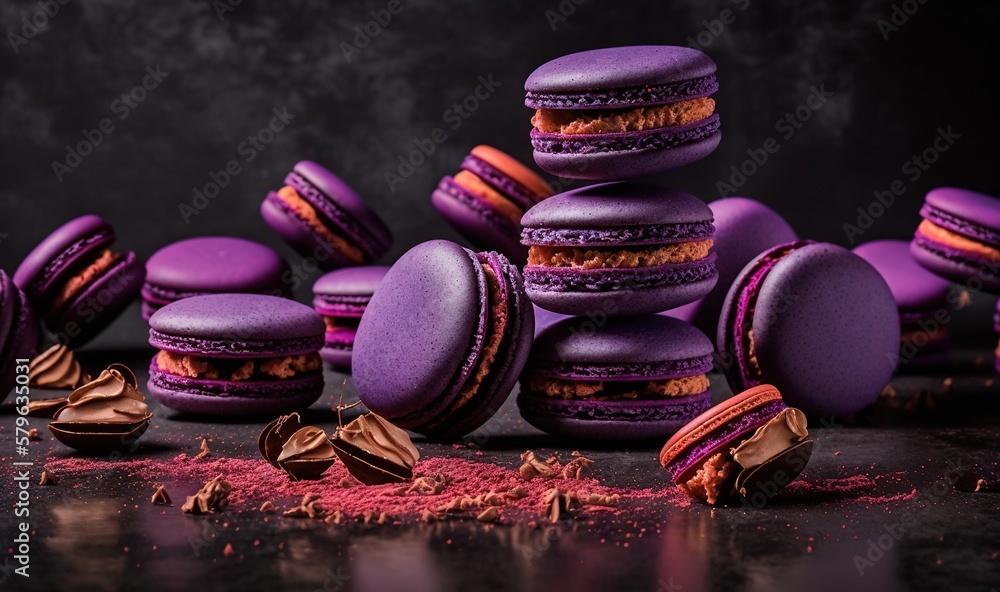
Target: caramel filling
{"x":713,"y":481}
{"x":957,"y":241}
{"x":103,"y":262}
{"x":307,"y":213}
{"x":472,"y":183}
{"x":497,"y":324}
{"x":618,"y":391}
{"x":568,"y":121}
{"x":237,"y":370}
{"x":335,"y":323}
{"x":598,"y":258}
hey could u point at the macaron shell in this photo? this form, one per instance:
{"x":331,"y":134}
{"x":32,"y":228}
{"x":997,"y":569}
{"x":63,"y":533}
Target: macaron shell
{"x":19,"y":332}
{"x":826,"y":330}
{"x":954,"y":264}
{"x":478,"y":222}
{"x":300,"y":236}
{"x":353,"y":281}
{"x":53,"y":260}
{"x":337,"y":357}
{"x":421,"y":333}
{"x":913,"y":286}
{"x":629,"y":155}
{"x":227,"y":398}
{"x":216,"y":264}
{"x":978,"y":214}
{"x":507,"y":175}
{"x":100,"y":302}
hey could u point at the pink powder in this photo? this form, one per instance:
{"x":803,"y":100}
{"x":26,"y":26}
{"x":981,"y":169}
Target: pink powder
{"x":859,"y":488}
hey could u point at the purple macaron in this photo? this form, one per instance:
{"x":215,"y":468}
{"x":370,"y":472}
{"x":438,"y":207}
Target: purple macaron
{"x":744,"y":228}
{"x":625,"y":379}
{"x":443,"y":340}
{"x":922,"y":299}
{"x":996,"y":327}
{"x":211,"y":265}
{"x":618,"y":249}
{"x":816,"y":321}
{"x":18,"y":332}
{"x":236,"y":354}
{"x":76,"y":283}
{"x":959,"y":237}
{"x":322,"y":218}
{"x":341,"y":297}
{"x":623,"y":112}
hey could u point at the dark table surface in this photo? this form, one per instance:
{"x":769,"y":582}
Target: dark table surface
{"x":906,"y":530}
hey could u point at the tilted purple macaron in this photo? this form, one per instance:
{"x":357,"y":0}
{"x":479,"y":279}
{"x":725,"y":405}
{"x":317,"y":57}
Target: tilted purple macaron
{"x":624,"y":379}
{"x":341,"y":297}
{"x":18,"y":332}
{"x":443,"y":340}
{"x":321,"y":217}
{"x":744,"y":228}
{"x":623,"y":112}
{"x":76,"y":283}
{"x":618,"y":249}
{"x":816,"y":321}
{"x":959,"y":238}
{"x":211,"y":265}
{"x":922,"y":299}
{"x":236,"y":354}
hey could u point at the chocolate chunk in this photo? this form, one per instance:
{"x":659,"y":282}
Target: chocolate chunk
{"x":759,"y":484}
{"x":47,"y":479}
{"x":161,"y":496}
{"x":33,"y":434}
{"x":204,"y":450}
{"x":309,"y":507}
{"x":574,"y":468}
{"x":490,"y":514}
{"x":374,"y":451}
{"x":267,"y":507}
{"x":107,"y":413}
{"x":532,"y":468}
{"x":213,"y":496}
{"x":303,"y":452}
{"x":56,"y":368}
{"x":45,"y":407}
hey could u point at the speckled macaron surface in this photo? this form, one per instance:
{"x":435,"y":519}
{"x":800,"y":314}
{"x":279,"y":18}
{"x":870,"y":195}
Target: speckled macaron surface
{"x":341,"y":297}
{"x":18,"y":332}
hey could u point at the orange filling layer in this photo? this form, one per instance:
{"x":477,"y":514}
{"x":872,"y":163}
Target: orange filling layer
{"x":957,"y":241}
{"x":103,"y":262}
{"x":598,"y":390}
{"x":596,"y":258}
{"x":237,"y":370}
{"x":472,"y":183}
{"x":334,"y":323}
{"x":304,"y":210}
{"x":568,"y":121}
{"x":713,"y":481}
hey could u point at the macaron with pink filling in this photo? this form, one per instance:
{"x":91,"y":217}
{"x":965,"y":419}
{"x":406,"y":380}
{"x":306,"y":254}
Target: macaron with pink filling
{"x":341,"y":297}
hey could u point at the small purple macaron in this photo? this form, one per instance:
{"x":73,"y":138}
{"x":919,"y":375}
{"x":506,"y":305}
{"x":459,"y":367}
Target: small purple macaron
{"x":341,"y":297}
{"x":744,"y":228}
{"x":211,"y":265}
{"x":623,"y":112}
{"x":321,"y":217}
{"x":628,"y":378}
{"x":618,"y":249}
{"x":816,"y":321}
{"x":922,"y":299}
{"x":443,"y":340}
{"x":236,"y":354}
{"x":959,"y":238}
{"x":76,"y":283}
{"x":18,"y":332}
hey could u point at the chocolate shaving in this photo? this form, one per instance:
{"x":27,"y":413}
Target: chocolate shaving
{"x":575,"y":467}
{"x":45,"y":407}
{"x":557,"y":503}
{"x":490,"y":514}
{"x":33,"y":434}
{"x":268,"y":507}
{"x":161,"y":497}
{"x":228,"y":551}
{"x":428,"y":485}
{"x":532,"y":468}
{"x":517,"y":493}
{"x":335,"y":518}
{"x":429,"y":516}
{"x":374,"y":451}
{"x":596,"y":499}
{"x":204,"y":450}
{"x":309,"y":507}
{"x":213,"y":496}
{"x":47,"y":479}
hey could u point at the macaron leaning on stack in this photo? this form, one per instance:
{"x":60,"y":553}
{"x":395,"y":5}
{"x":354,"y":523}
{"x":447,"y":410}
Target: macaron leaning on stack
{"x":212,"y":265}
{"x":18,"y":332}
{"x":322,"y":218}
{"x":236,"y":354}
{"x":443,"y":340}
{"x":623,"y":112}
{"x":341,"y":297}
{"x":485,"y":201}
{"x":76,"y":283}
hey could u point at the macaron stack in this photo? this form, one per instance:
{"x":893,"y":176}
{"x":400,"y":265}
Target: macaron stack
{"x":611,"y":252}
{"x":341,"y":297}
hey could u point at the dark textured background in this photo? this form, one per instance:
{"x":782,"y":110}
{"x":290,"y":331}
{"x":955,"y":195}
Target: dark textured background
{"x":225,"y":77}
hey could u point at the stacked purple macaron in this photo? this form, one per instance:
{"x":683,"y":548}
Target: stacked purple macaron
{"x":341,"y":298}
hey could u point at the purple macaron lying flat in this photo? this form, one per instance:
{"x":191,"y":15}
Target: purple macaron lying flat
{"x":443,"y":340}
{"x":744,"y":228}
{"x":618,"y":249}
{"x":236,"y":354}
{"x":628,"y":378}
{"x":816,"y":321}
{"x":922,"y":299}
{"x":76,"y":283}
{"x":18,"y":332}
{"x":211,"y":265}
{"x":623,"y":112}
{"x":959,"y":237}
{"x":322,"y":218}
{"x":341,"y":297}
